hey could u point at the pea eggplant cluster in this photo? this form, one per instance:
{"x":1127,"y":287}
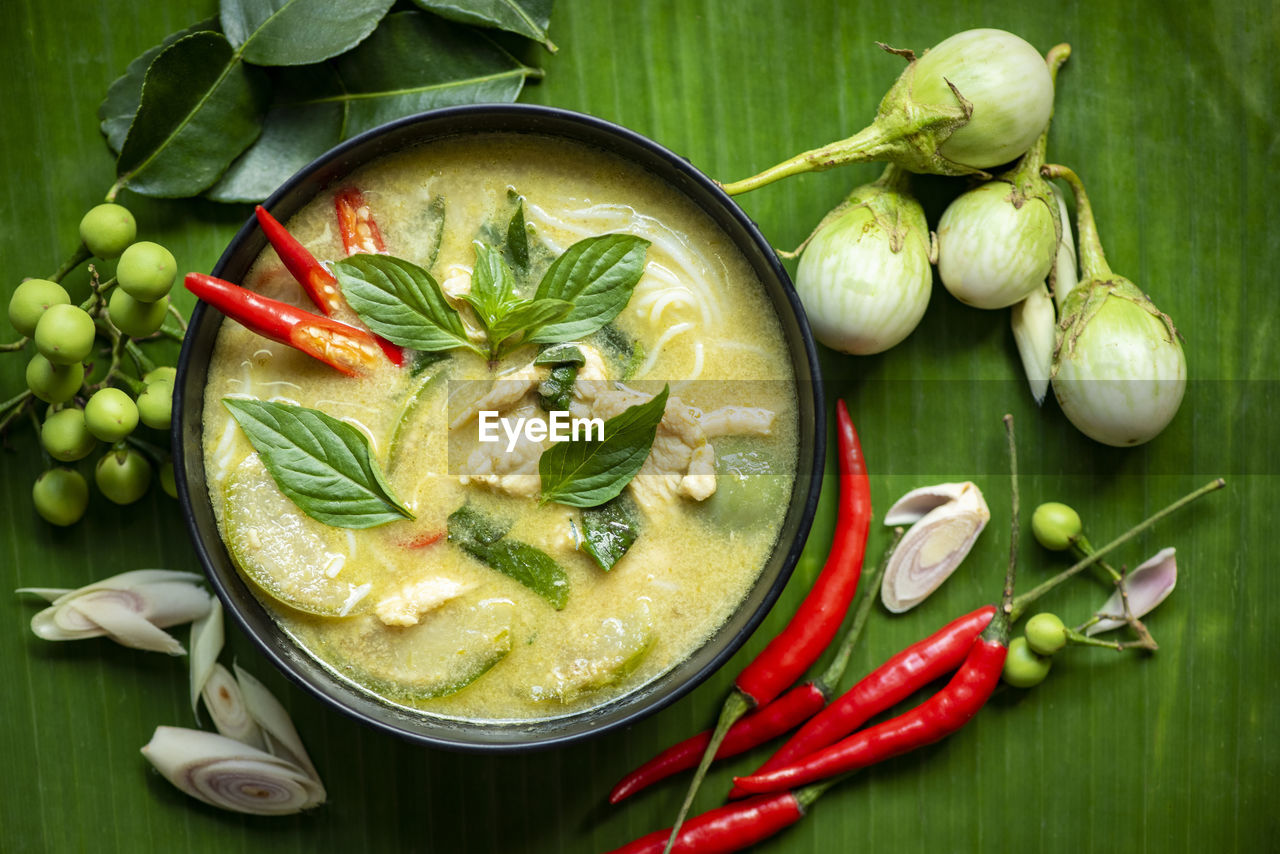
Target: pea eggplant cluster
{"x":96,"y":383}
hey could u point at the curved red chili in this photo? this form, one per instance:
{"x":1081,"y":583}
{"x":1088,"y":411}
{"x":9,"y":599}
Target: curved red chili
{"x":356,"y":224}
{"x":731,"y":827}
{"x":756,"y":728}
{"x":819,"y":616}
{"x":886,"y":686}
{"x":318,"y":282}
{"x":347,"y":348}
{"x":934,"y":719}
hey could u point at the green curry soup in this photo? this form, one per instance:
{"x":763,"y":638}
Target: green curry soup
{"x":424,"y":612}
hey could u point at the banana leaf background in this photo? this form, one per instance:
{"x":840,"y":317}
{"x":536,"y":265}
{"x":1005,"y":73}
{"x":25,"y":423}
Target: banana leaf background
{"x":1167,"y":111}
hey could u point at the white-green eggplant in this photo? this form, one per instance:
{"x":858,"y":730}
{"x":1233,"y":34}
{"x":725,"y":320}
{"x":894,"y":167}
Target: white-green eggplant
{"x":864,"y":275}
{"x":1119,"y":372}
{"x":997,"y":242}
{"x":976,"y":100}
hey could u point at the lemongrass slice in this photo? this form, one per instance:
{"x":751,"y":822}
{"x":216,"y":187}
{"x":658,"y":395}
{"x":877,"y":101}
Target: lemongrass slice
{"x":225,"y":702}
{"x":229,"y":775}
{"x":913,"y":506}
{"x":935,"y":545}
{"x":281,"y":736}
{"x":1148,"y":586}
{"x":48,"y":594}
{"x":206,"y":644}
{"x":119,"y":606}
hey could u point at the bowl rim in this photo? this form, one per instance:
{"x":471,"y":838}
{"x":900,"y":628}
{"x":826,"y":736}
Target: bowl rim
{"x":651,"y":702}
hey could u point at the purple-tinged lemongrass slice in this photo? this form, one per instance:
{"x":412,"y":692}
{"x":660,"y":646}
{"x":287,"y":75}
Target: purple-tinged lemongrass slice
{"x":229,"y":775}
{"x":947,"y":520}
{"x":206,"y":645}
{"x":225,"y":702}
{"x":1148,"y":586}
{"x":130,"y":608}
{"x":281,"y":736}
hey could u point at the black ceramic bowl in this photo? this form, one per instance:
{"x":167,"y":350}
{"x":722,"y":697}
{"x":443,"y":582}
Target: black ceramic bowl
{"x":422,"y":727}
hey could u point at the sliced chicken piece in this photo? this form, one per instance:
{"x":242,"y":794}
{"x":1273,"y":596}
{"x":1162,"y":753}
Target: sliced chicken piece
{"x":514,"y":472}
{"x":406,"y":607}
{"x":738,"y":421}
{"x":700,"y":481}
{"x":507,"y":391}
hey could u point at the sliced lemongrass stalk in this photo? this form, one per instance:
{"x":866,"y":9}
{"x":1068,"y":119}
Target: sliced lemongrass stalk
{"x":913,"y":506}
{"x":48,"y":594}
{"x":225,"y":702}
{"x":281,"y":736}
{"x":1066,"y":272}
{"x":934,"y":546}
{"x":130,"y":608}
{"x":207,"y":638}
{"x":1035,"y":331}
{"x":1147,"y":586}
{"x":229,"y":775}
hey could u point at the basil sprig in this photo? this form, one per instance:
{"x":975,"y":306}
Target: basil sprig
{"x":589,"y":473}
{"x":321,"y":464}
{"x":583,"y":290}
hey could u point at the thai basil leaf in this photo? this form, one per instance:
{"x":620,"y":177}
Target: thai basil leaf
{"x":118,"y":108}
{"x":321,"y":464}
{"x":555,"y":393}
{"x":609,"y":530}
{"x":484,"y":539}
{"x":597,"y":275}
{"x":528,"y":18}
{"x":293,"y":134}
{"x":522,"y":319}
{"x":298,"y":32}
{"x":561,"y":354}
{"x":200,"y":108}
{"x":414,"y":62}
{"x":589,"y":473}
{"x":518,"y":238}
{"x":401,"y":302}
{"x":492,"y":286}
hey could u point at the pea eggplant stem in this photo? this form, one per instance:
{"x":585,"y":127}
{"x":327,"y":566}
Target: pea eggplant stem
{"x":1022,"y":602}
{"x":815,"y":623}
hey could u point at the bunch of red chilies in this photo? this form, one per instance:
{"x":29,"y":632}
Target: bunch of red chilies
{"x":829,"y":744}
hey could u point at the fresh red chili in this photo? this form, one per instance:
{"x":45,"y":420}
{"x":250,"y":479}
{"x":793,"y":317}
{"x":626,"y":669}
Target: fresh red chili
{"x":356,"y":224}
{"x":319,"y":283}
{"x":936,"y":718}
{"x":728,"y":828}
{"x":885,"y":687}
{"x":756,"y":728}
{"x":819,"y":616}
{"x":423,"y":540}
{"x":349,"y":349}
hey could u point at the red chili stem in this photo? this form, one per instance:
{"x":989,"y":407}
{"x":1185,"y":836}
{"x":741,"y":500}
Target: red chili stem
{"x":889,"y":684}
{"x":936,"y":718}
{"x":782,"y":715}
{"x":349,"y":349}
{"x":756,"y":728}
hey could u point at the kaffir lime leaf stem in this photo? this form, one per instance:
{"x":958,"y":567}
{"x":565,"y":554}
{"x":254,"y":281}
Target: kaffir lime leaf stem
{"x":735,"y":706}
